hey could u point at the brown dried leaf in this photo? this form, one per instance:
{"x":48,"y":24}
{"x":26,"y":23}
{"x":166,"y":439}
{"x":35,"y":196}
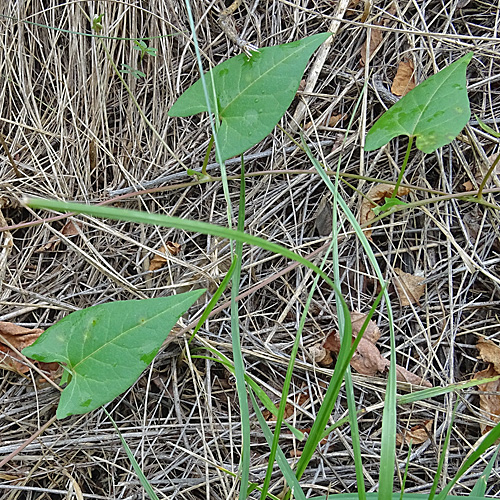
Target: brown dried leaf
{"x":489,"y":401}
{"x":416,"y":435}
{"x":372,"y":332}
{"x":70,"y":229}
{"x":404,"y":81}
{"x":468,"y":186}
{"x":489,"y":352}
{"x":302,"y":398}
{"x":376,"y":194}
{"x":158,"y":261}
{"x":408,"y":287}
{"x":92,"y":155}
{"x":366,"y":359}
{"x":18,"y":337}
{"x":327,"y":122}
{"x":320,"y":355}
{"x":403,"y":375}
{"x":323,"y":217}
{"x":377,"y":36}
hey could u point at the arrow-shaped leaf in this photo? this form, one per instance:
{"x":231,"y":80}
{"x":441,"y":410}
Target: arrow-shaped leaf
{"x":106,"y":347}
{"x":434,"y":112}
{"x":252,"y":93}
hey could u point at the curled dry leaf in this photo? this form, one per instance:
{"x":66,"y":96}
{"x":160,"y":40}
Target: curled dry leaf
{"x":320,"y":355}
{"x":489,"y":398}
{"x":372,"y":332}
{"x":367,"y":359}
{"x":404,"y":81}
{"x":158,"y":261}
{"x":403,"y":375}
{"x":377,"y":36}
{"x":19,"y":338}
{"x":70,"y":229}
{"x":408,"y":287}
{"x":473,"y":222}
{"x":323,"y":218}
{"x":300,"y":400}
{"x":376,"y":194}
{"x":489,"y":352}
{"x":416,"y":435}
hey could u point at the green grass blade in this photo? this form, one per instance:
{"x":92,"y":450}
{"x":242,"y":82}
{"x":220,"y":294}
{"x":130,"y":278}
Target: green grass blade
{"x":349,"y":386}
{"x":220,"y":290}
{"x":437,"y":475}
{"x":393,"y":496}
{"x":239,"y":366}
{"x":420,"y":395}
{"x":489,"y":440}
{"x":388,"y":451}
{"x":433,"y":392}
{"x":331,"y":394}
{"x":142,"y":478}
{"x":287,"y":382}
{"x":407,"y":466}
{"x":283,"y":464}
{"x":177,"y":223}
{"x":479,"y":489}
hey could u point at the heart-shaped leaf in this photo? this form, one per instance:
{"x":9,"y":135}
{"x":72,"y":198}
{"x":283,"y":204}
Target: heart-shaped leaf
{"x":252,"y":93}
{"x":106,"y":347}
{"x":434,"y":112}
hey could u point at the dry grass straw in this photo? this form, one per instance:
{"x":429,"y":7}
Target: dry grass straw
{"x":75,"y":134}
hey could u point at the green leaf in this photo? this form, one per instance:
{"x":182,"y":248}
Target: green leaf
{"x":106,"y":347}
{"x":134,"y":72}
{"x":434,"y":112}
{"x":487,"y":128}
{"x":96,"y":23}
{"x":252,"y":93}
{"x":388,"y":205}
{"x":479,"y":489}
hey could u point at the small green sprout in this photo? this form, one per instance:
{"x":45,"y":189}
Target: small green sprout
{"x":145,"y":50}
{"x":134,"y":72}
{"x":96,"y":23}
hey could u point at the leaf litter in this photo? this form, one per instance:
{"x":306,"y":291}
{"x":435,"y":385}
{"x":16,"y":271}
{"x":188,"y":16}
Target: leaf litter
{"x":367,"y":359}
{"x":489,"y":398}
{"x":12,"y":335}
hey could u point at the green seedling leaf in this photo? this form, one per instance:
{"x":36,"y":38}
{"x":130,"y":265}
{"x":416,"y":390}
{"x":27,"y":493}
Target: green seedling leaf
{"x":106,"y":347}
{"x":434,"y":112}
{"x":144,"y":49}
{"x":252,"y":93}
{"x":200,"y":176}
{"x":487,"y":128}
{"x":388,"y":205}
{"x":134,"y":72}
{"x":97,"y":23}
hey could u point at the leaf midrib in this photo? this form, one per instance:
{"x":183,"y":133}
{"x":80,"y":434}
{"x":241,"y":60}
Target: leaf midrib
{"x":262,"y":75}
{"x":113,"y":340}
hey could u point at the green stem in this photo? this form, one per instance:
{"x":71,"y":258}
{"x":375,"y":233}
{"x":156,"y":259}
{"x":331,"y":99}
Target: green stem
{"x":207,"y":156}
{"x":403,"y":167}
{"x":487,"y":176}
